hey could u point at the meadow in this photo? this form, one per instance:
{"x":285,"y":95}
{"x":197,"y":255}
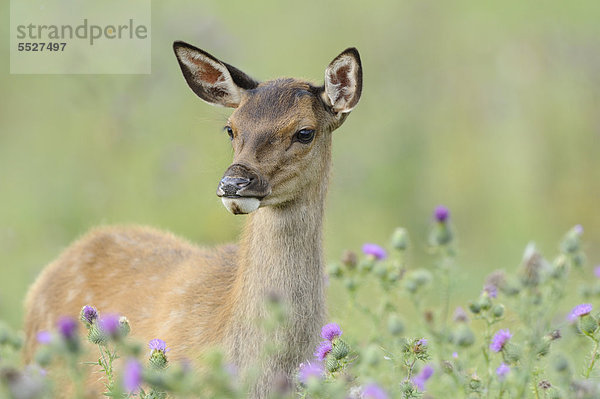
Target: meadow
{"x":490,"y":109}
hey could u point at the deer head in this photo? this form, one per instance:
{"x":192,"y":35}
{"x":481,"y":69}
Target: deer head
{"x":280,"y":130}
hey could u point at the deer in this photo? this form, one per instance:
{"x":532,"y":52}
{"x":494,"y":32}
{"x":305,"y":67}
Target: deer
{"x":195,"y":298}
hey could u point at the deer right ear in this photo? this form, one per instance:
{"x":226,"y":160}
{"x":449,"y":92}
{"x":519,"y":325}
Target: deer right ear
{"x":212,"y":80}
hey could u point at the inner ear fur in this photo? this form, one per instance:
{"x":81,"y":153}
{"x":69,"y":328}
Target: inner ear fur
{"x":214,"y":81}
{"x":343,"y":81}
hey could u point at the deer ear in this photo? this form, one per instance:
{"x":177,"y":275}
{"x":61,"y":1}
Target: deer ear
{"x":343,"y":81}
{"x":212,"y":80}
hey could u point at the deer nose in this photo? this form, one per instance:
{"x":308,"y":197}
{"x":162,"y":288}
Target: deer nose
{"x":230,"y":185}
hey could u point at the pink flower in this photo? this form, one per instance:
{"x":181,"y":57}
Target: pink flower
{"x":500,"y":339}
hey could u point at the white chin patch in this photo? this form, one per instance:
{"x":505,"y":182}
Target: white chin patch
{"x":239,"y":206}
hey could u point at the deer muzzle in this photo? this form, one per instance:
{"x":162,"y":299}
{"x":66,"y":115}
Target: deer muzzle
{"x":241,"y":189}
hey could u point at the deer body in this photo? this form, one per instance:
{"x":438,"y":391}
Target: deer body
{"x":195,"y":298}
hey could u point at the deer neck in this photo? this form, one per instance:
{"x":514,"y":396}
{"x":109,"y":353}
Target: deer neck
{"x":280,"y":254}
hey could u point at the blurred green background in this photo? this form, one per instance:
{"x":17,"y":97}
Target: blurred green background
{"x":490,"y":108}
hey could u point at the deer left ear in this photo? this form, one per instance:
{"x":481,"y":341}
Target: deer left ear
{"x":343,"y":81}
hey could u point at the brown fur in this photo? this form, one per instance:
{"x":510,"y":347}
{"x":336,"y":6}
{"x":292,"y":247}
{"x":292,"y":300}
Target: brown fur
{"x":194,"y":298}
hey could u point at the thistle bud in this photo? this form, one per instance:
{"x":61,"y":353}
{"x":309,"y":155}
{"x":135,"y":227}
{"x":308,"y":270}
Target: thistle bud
{"x":464,"y":336}
{"x":96,"y":336}
{"x":335,"y":270}
{"x":124,"y":327}
{"x":349,"y":259}
{"x":571,"y":242}
{"x":421,"y":276}
{"x":366,"y":265}
{"x":561,"y":364}
{"x":158,"y":359}
{"x":395,"y":325}
{"x":578,"y":259}
{"x":400,"y":239}
{"x":393,"y":276}
{"x":332,"y":364}
{"x":485,"y":302}
{"x":498,"y":311}
{"x":410,"y":285}
{"x":340,"y":349}
{"x":43,"y":356}
{"x":158,"y":353}
{"x":512,"y":352}
{"x":371,"y":355}
{"x":474,"y":307}
{"x":350,"y":284}
{"x":588,"y":324}
{"x":475,"y":382}
{"x":380,"y":270}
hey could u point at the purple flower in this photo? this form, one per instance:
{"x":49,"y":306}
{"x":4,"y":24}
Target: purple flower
{"x":158,"y":345}
{"x":580,"y":311}
{"x":500,"y":339}
{"x":89,"y":314}
{"x":422,"y":342}
{"x":67,"y":327}
{"x":491,"y":290}
{"x":109,"y":324}
{"x":460,"y":315}
{"x":455,"y":355}
{"x":441,"y":214}
{"x":375,"y":251}
{"x":420,"y":379}
{"x":597,"y":271}
{"x":310,"y":370}
{"x":44,"y":337}
{"x":132,"y":375}
{"x":502,"y":371}
{"x":323,"y":350}
{"x":331,"y":331}
{"x":373,"y":391}
{"x":578,"y":229}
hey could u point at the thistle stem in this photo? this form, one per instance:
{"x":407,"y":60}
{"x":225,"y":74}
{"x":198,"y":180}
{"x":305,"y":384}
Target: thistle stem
{"x":593,"y":360}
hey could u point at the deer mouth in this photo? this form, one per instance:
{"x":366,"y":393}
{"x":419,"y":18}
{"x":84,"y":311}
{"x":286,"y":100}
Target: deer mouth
{"x":240,"y":205}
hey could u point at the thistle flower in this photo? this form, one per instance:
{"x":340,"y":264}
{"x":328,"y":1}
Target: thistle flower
{"x":580,"y":311}
{"x":323,"y":350}
{"x":331,"y":331}
{"x":308,"y":371}
{"x":500,"y":339}
{"x":460,"y":316}
{"x":597,"y":271}
{"x":491,"y":290}
{"x":158,"y":345}
{"x":374,"y":250}
{"x":67,"y":327}
{"x":44,"y":337}
{"x":88,"y":315}
{"x":132,"y":376}
{"x":502,"y":371}
{"x":109,"y":324}
{"x":373,"y":391}
{"x":420,"y":379}
{"x":441,"y":214}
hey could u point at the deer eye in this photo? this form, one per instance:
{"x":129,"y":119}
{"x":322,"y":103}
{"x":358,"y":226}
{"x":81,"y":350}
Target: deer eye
{"x":229,"y":131}
{"x":305,"y":136}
